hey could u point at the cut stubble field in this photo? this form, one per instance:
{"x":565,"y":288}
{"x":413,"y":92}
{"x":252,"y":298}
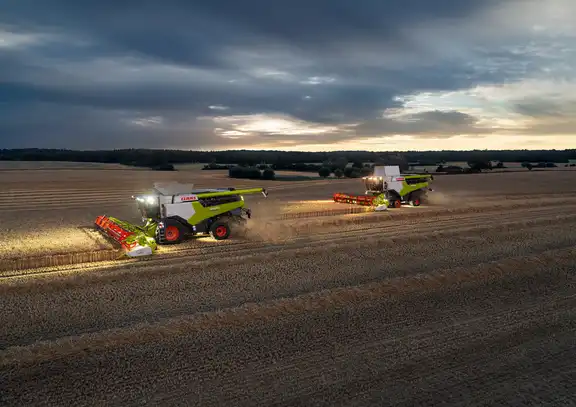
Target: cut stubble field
{"x":469,"y":300}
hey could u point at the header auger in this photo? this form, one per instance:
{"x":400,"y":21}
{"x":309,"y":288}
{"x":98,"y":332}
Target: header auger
{"x":388,"y":188}
{"x":174,"y":211}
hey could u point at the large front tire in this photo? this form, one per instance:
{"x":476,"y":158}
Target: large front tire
{"x":171,"y":233}
{"x":416,"y":201}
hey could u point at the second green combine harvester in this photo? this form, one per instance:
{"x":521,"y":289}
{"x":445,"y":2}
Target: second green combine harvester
{"x":172,"y":212}
{"x":388,"y":188}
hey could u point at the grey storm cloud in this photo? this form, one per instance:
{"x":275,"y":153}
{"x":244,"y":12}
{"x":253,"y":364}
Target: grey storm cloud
{"x":195,"y":32}
{"x":107,"y":74}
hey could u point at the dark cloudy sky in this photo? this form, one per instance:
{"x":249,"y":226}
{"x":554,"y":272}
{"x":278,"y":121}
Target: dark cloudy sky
{"x":297,"y":74}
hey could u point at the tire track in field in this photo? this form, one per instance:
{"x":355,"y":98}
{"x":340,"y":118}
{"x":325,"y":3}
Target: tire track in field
{"x":273,"y":310}
{"x":394,"y":235}
{"x":466,"y":365}
{"x":240,"y":251}
{"x":195,"y":377}
{"x":338,"y":219}
{"x":375,"y":227}
{"x":428,"y":350}
{"x":412,"y":212}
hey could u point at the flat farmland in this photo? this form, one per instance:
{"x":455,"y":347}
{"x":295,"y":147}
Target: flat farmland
{"x":469,"y":300}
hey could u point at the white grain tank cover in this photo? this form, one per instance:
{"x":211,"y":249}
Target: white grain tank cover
{"x":386,"y":171}
{"x":173,"y":188}
{"x":182,"y":206}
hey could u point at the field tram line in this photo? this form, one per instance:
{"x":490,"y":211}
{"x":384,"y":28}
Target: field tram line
{"x":429,"y":211}
{"x":497,"y":381}
{"x":374,"y":218}
{"x":421,"y":346}
{"x":309,"y":303}
{"x":393,"y":236}
{"x":322,"y":213}
{"x":533,"y":308}
{"x":392,"y":230}
{"x":310,"y":229}
{"x":251,"y":368}
{"x":244,"y":251}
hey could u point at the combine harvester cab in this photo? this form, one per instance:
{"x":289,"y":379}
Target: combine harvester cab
{"x":388,"y":188}
{"x":174,"y":211}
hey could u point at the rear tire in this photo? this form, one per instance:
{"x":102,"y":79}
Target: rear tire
{"x":416,"y":201}
{"x":418,"y":198}
{"x":220,"y":230}
{"x":396,"y":203}
{"x":171,"y":233}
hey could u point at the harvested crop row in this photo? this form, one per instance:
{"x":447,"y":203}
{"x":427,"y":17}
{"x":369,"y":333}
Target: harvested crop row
{"x":103,"y":299}
{"x":272,"y":310}
{"x":376,"y":220}
{"x":323,"y":358}
{"x":298,"y":238}
{"x":326,"y":212}
{"x":392,"y":235}
{"x":424,"y":212}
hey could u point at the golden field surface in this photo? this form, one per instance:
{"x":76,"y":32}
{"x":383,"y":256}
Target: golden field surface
{"x":469,"y":300}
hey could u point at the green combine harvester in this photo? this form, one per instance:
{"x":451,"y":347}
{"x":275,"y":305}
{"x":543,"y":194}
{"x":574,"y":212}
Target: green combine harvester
{"x":173,"y":212}
{"x":388,"y":188}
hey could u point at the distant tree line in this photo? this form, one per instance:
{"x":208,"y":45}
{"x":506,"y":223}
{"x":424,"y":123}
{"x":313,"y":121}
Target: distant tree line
{"x":341,"y":169}
{"x":284,"y":160}
{"x":256,"y":172}
{"x":479,"y":166}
